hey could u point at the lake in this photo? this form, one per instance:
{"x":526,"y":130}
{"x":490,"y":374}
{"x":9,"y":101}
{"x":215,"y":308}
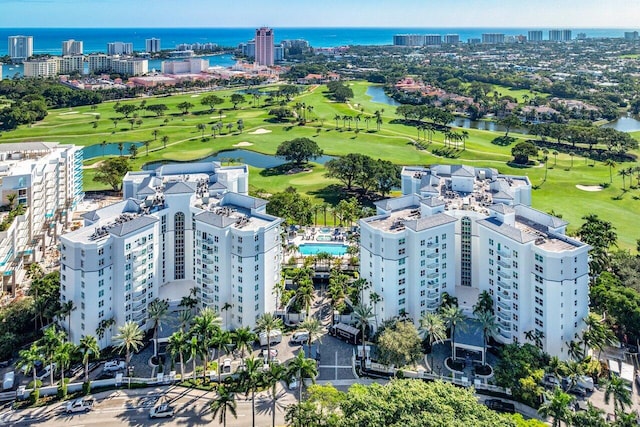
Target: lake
{"x":624,"y":124}
{"x":378,"y":94}
{"x":258,"y":160}
{"x":110,"y":149}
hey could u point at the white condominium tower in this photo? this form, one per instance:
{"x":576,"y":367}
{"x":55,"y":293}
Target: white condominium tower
{"x":40,"y":185}
{"x":20,"y":47}
{"x":180,"y":227}
{"x":72,"y":47}
{"x":464,"y":230}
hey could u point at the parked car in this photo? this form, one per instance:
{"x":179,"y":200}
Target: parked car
{"x":586,"y":382}
{"x":114,"y":365}
{"x":46,"y":372}
{"x":5,"y":363}
{"x":273,"y":355}
{"x":161,"y":411}
{"x":8,"y":380}
{"x":550,"y":381}
{"x":79,"y":405}
{"x":300,"y":337}
{"x":293,"y":384}
{"x":576,"y":390}
{"x":500,"y":406}
{"x":226,"y":365}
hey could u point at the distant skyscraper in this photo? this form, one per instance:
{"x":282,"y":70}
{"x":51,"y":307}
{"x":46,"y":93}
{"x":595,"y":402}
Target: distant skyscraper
{"x":152,"y":45}
{"x":72,"y":47}
{"x":20,"y":47}
{"x":493,"y":38}
{"x":119,"y":48}
{"x":631,"y":35}
{"x":535,"y":36}
{"x":432,"y":40}
{"x":451,"y":39}
{"x":264,"y":46}
{"x":559,"y":35}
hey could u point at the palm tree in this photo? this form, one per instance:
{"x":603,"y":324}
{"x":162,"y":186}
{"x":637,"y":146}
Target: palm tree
{"x":597,"y":334}
{"x":50,"y":342}
{"x":300,"y":367}
{"x":65,"y":312}
{"x":194,"y":350}
{"x":178,"y":345}
{"x":362,"y":315}
{"x":155,"y":134}
{"x":272,"y":377}
{"x":557,"y":407}
{"x":250,"y":380}
{"x":453,"y":317}
{"x":375,"y":298}
{"x":165,"y":140}
{"x":226,"y":308}
{"x":205,"y":325}
{"x":28,"y":361}
{"x":88,"y":348}
{"x":304,"y":295}
{"x":103,"y":144}
{"x":226,"y":401}
{"x":266,"y":324}
{"x":433,"y":330}
{"x":485,"y":303}
{"x":121,"y":148}
{"x":623,"y":173}
{"x":243,"y":338}
{"x":616,"y":388}
{"x":62,"y":357}
{"x":104,"y":326}
{"x":489,"y":329}
{"x":157,"y":311}
{"x":220,"y":340}
{"x":129,"y":338}
{"x":314,"y":329}
{"x":146,"y":145}
{"x":574,"y":351}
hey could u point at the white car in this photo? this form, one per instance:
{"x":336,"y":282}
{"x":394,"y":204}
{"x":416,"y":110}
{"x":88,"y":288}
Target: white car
{"x":79,"y":405}
{"x":300,"y":337}
{"x":293,"y":384}
{"x":161,"y":411}
{"x":46,"y":372}
{"x":226,"y":365}
{"x":114,"y":365}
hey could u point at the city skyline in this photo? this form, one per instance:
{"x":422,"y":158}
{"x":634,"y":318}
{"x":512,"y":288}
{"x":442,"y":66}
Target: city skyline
{"x":354,"y":13}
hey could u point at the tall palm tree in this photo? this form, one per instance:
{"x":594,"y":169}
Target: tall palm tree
{"x":63,"y":356}
{"x":433,"y":330}
{"x":272,"y":378}
{"x":226,"y":401}
{"x":205,"y":325}
{"x":226,"y":308}
{"x":28,"y":361}
{"x":243,"y":338}
{"x":103,"y":144}
{"x":304,"y":295}
{"x":617,"y":389}
{"x":165,"y":140}
{"x":146,"y":145}
{"x":194,"y":350}
{"x":574,"y":350}
{"x":88,"y":348}
{"x":557,"y":407}
{"x":50,"y":342}
{"x":300,"y":367}
{"x":220,"y":340}
{"x":250,"y":379}
{"x":65,"y":312}
{"x":453,"y":318}
{"x":485,"y":303}
{"x":178,"y":345}
{"x":363,"y":315}
{"x":121,"y":148}
{"x":266,"y":324}
{"x":375,"y":298}
{"x":184,"y":319}
{"x":129,"y":338}
{"x":156,"y":312}
{"x":597,"y":334}
{"x":314,"y":329}
{"x":489,"y":329}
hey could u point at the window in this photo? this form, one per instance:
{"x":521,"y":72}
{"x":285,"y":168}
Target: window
{"x":401,"y":281}
{"x":401,"y":291}
{"x":490,"y":242}
{"x":401,"y":251}
{"x":179,"y":221}
{"x":402,"y":241}
{"x":100,"y":251}
{"x":401,"y":261}
{"x":422,"y":242}
{"x":401,"y":301}
{"x":401,"y":271}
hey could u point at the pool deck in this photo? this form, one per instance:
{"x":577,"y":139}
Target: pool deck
{"x":311,"y":234}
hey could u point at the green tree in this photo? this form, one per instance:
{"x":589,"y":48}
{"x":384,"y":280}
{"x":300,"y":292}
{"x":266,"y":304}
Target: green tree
{"x":557,"y":407}
{"x":125,"y":109}
{"x":220,"y":340}
{"x":489,"y":329}
{"x":433,"y":330}
{"x":454,"y":318}
{"x":300,"y":368}
{"x":237,"y":98}
{"x":65,"y":313}
{"x":62,"y":357}
{"x":508,"y":122}
{"x":185,"y":107}
{"x":266,"y":324}
{"x":292,"y":206}
{"x":165,"y":141}
{"x":243,"y":338}
{"x":272,"y":378}
{"x":129,"y":339}
{"x":522,"y":151}
{"x":205,"y":326}
{"x":89,"y":348}
{"x":178,"y":345}
{"x":158,"y":109}
{"x":157,"y":312}
{"x":211,"y":101}
{"x":299,"y":150}
{"x":111,"y":171}
{"x":225,"y":402}
{"x":400,"y":345}
{"x":28,"y":360}
{"x":346,"y":169}
{"x":616,"y":389}
{"x":51,"y":342}
{"x":250,"y":379}
{"x":133,"y":150}
{"x":315,"y":330}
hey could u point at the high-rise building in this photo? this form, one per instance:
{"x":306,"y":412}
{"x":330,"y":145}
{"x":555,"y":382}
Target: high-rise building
{"x":46,"y":180}
{"x":46,"y":67}
{"x":631,"y":35}
{"x":264,"y":46}
{"x":534,"y":36}
{"x":119,"y":48}
{"x":432,"y":40}
{"x":72,"y":47}
{"x":152,"y":45}
{"x":278,"y":53}
{"x":99,"y":63}
{"x":452,"y":38}
{"x":492,"y":38}
{"x":178,"y":228}
{"x":464,"y":230}
{"x":20,"y":47}
{"x":559,"y":35}
{"x":408,"y":40}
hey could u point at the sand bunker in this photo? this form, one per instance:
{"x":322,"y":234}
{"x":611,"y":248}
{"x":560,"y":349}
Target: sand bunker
{"x":589,"y":187}
{"x":242,"y":144}
{"x":259,"y":131}
{"x":90,"y":114}
{"x":218,"y":117}
{"x":195,"y":96}
{"x":70,"y":112}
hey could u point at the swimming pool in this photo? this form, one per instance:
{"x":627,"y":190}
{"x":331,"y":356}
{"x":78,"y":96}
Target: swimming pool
{"x":312,"y":249}
{"x":323,"y":238}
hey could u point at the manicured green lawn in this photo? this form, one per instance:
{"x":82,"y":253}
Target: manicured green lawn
{"x":393,"y":142}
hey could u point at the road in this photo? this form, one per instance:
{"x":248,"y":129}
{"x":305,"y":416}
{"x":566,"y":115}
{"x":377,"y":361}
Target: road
{"x":131,"y":408}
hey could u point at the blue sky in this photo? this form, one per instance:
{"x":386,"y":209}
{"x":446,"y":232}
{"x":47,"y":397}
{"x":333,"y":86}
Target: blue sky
{"x":321,"y":13}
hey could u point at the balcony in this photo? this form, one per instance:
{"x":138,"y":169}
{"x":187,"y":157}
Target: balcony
{"x":207,"y":280}
{"x":433,"y":296}
{"x":504,"y":285}
{"x":432,"y":266}
{"x":142,"y":317}
{"x":137,"y":308}
{"x":142,"y":268}
{"x":504,"y":264}
{"x":208,"y":261}
{"x":433,"y":255}
{"x":504,"y":275}
{"x":139,"y":296}
{"x":432,"y":245}
{"x":207,"y":271}
{"x":505,"y":335}
{"x":504,"y":327}
{"x":141,"y":279}
{"x":503,"y":306}
{"x":432,"y":276}
{"x":506,"y":317}
{"x":504,"y":254}
{"x":207,"y":299}
{"x":505,"y":297}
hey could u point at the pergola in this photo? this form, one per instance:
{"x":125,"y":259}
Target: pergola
{"x":470,"y":338}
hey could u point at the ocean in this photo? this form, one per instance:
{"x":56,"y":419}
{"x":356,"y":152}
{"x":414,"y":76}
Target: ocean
{"x":49,"y":40}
